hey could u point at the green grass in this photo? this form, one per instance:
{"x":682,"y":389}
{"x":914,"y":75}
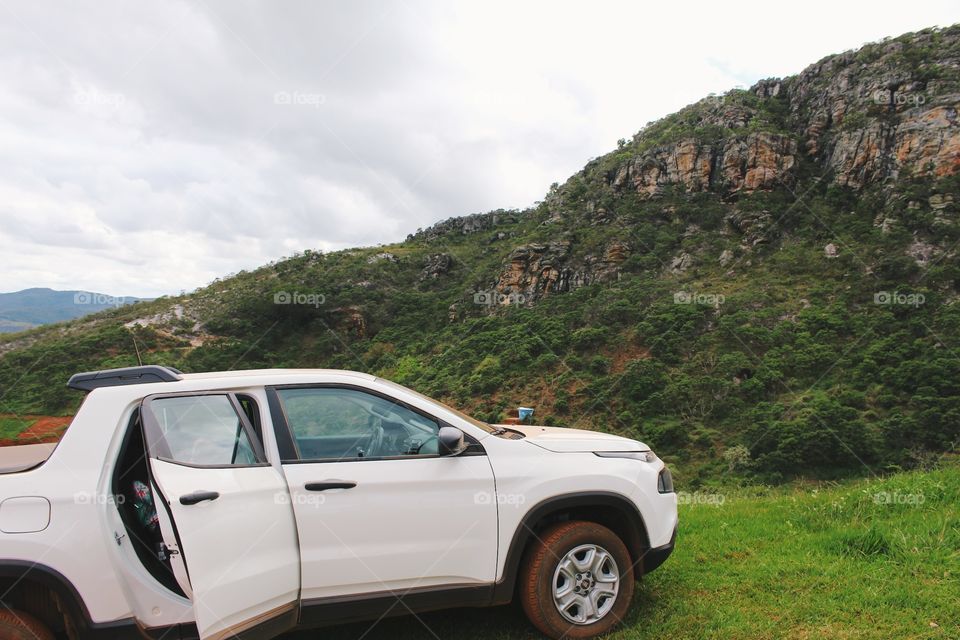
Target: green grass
{"x":12,"y":427}
{"x":864,"y":559}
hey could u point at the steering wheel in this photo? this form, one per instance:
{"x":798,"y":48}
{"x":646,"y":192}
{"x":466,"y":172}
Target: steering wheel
{"x":375,"y":444}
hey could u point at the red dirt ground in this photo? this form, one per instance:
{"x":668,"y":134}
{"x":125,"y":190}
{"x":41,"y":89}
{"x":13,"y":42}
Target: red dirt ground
{"x":42,"y":429}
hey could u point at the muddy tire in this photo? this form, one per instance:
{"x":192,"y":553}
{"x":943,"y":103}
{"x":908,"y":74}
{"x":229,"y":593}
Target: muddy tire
{"x":16,"y":625}
{"x":576,"y":581}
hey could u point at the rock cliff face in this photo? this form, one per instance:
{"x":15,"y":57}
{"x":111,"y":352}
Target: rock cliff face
{"x":747,"y":162}
{"x":436,"y":265}
{"x":862,"y":116}
{"x":858,"y":119}
{"x":867,"y":116}
{"x":535,"y":270}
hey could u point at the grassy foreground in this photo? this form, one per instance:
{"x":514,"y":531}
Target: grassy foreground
{"x":875,"y":558}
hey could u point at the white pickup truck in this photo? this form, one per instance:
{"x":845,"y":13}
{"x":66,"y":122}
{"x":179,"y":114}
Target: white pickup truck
{"x":249,"y":503}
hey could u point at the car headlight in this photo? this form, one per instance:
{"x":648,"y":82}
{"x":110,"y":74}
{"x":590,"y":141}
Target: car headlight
{"x":642,"y":456}
{"x":664,"y":479}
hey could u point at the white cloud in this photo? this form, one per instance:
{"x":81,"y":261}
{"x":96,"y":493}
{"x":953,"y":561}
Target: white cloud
{"x":143,"y":149}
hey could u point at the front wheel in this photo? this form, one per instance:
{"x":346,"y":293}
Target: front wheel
{"x":577,"y":580}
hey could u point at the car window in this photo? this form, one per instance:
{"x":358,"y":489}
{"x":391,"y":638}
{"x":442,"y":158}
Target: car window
{"x":338,"y":423}
{"x":202,"y":430}
{"x":460,"y":414}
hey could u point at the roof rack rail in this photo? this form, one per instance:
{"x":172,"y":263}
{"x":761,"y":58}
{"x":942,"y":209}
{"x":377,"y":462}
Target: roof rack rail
{"x":118,"y":377}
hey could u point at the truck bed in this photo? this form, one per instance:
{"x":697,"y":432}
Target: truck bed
{"x":24,"y":456}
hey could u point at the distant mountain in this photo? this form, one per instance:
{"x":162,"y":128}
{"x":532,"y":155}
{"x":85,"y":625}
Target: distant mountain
{"x":22,"y":310}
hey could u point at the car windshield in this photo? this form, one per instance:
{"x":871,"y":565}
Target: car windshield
{"x":460,"y":414}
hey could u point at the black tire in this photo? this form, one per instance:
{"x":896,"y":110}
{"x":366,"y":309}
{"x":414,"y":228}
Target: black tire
{"x":537,"y":579}
{"x":16,"y":625}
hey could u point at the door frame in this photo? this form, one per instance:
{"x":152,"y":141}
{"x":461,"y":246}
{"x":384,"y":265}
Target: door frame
{"x":269,"y":624}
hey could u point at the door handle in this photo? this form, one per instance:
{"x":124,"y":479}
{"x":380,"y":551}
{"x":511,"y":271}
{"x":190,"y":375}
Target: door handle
{"x":329,"y":484}
{"x":199,"y":496}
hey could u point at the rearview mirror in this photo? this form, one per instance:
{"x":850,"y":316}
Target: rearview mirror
{"x":450,"y":441}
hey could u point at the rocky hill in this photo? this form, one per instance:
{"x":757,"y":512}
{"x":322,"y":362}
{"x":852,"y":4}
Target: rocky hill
{"x":762,"y":283}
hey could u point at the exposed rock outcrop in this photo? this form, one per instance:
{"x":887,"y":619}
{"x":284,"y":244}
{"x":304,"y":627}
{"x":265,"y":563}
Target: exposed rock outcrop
{"x":753,"y":226}
{"x":535,"y":270}
{"x":681,"y":263}
{"x":742,"y":163}
{"x":383,"y":256}
{"x":176,"y":322}
{"x":466,"y":225}
{"x":436,"y":265}
{"x":922,"y":252}
{"x":864,"y":117}
{"x":867,"y":116}
{"x":350,"y":320}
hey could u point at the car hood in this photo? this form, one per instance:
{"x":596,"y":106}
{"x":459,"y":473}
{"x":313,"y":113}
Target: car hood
{"x":563,"y":440}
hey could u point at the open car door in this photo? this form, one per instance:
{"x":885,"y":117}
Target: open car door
{"x":225,"y":515}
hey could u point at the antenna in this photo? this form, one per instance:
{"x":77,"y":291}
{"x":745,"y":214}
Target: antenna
{"x":136,"y":348}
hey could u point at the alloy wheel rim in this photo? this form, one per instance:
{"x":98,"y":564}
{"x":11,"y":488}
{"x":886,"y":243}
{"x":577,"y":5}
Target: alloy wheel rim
{"x":585,"y":584}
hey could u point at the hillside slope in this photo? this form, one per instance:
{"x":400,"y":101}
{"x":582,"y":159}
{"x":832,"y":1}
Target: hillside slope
{"x":762,"y":283}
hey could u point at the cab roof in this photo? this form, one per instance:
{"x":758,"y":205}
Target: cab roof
{"x":155,"y":374}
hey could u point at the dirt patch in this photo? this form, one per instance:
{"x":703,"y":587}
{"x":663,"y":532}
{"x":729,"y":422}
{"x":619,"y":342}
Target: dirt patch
{"x":41,"y":429}
{"x":46,"y":429}
{"x":625,"y":355}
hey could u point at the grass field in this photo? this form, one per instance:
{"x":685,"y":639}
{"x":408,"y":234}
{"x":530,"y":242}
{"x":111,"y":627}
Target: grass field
{"x":875,"y":558}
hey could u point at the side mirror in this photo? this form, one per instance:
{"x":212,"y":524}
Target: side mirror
{"x":450,"y":441}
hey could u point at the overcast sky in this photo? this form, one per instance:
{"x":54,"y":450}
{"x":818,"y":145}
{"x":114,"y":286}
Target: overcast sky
{"x":147,"y":148}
